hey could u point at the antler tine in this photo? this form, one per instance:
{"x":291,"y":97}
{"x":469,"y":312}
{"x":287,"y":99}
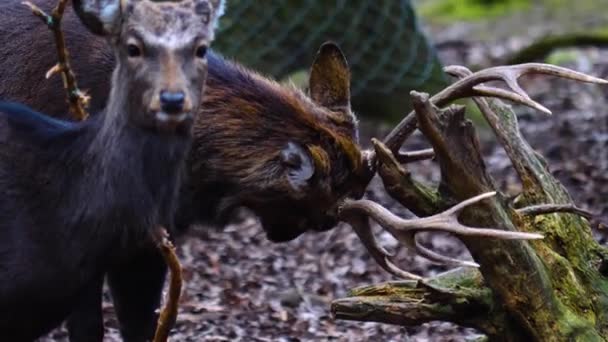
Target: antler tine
{"x":510,"y":96}
{"x":551,"y":70}
{"x":481,"y":90}
{"x":468,"y":86}
{"x":409,"y":239}
{"x":364,"y":231}
{"x":510,"y":75}
{"x":446,"y":221}
{"x":441,"y":259}
{"x":462,"y":205}
{"x":356,"y":213}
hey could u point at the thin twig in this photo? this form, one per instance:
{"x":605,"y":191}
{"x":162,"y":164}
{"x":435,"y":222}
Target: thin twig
{"x":543,"y":209}
{"x":168,"y":315}
{"x":77,"y":100}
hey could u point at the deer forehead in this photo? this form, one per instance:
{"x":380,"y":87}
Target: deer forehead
{"x":170,"y":24}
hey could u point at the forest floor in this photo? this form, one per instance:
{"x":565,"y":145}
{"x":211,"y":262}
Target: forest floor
{"x":241,"y":287}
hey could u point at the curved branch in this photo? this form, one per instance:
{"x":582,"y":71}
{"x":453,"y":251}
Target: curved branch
{"x":168,"y":315}
{"x":77,"y":100}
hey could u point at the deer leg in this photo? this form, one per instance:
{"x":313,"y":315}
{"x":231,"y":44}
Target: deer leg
{"x":136,"y":289}
{"x":85,"y":323}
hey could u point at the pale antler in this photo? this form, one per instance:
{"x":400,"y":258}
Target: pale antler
{"x":484,"y":107}
{"x":405,"y":231}
{"x":361,"y":226}
{"x":470,"y":86}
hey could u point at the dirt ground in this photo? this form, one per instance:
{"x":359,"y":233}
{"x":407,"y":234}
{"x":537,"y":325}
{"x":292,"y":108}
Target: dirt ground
{"x":241,"y":287}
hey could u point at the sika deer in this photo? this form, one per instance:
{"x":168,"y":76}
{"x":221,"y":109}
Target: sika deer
{"x":79,"y":198}
{"x":248,"y":124}
{"x":288,"y":156}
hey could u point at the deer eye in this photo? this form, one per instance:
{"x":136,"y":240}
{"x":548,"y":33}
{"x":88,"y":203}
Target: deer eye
{"x":133,"y":51}
{"x":201,"y":51}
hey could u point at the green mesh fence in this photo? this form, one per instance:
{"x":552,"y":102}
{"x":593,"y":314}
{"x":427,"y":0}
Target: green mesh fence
{"x":382,"y":39}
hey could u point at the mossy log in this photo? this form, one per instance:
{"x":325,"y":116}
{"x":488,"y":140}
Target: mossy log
{"x":555,"y":289}
{"x":544,"y":46}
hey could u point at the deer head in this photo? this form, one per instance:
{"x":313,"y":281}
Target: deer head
{"x":319,"y":174}
{"x":287,"y":155}
{"x":160,"y":49}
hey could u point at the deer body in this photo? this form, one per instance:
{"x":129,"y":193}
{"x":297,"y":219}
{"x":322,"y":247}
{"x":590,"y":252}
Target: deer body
{"x":79,"y":198}
{"x":55,"y":222}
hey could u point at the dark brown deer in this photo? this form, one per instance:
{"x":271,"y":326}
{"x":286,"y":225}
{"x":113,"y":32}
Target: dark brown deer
{"x":80,"y":198}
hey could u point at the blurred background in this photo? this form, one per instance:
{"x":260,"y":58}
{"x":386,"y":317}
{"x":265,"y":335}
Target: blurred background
{"x":395,"y":46}
{"x":240,"y":287}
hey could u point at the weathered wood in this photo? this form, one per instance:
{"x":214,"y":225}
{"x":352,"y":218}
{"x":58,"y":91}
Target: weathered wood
{"x":445,"y":297}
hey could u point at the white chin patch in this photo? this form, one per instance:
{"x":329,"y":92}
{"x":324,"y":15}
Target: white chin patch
{"x":172,"y":118}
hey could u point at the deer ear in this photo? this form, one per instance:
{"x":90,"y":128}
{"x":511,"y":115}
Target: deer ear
{"x":330,"y":78}
{"x":102,"y":17}
{"x":211,"y":11}
{"x":298,"y":165}
{"x":219,"y":7}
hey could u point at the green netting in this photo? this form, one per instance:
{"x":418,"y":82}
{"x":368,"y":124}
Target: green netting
{"x":382,"y":39}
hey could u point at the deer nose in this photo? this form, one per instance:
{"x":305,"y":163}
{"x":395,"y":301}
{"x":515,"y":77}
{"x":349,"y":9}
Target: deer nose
{"x":172,"y":102}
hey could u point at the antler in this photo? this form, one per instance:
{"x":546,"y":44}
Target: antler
{"x":470,"y":86}
{"x":405,"y":231}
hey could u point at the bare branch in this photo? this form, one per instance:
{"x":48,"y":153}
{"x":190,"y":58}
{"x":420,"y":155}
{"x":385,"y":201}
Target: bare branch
{"x":469,"y":87}
{"x":77,"y":100}
{"x":168,"y":315}
{"x":543,"y":209}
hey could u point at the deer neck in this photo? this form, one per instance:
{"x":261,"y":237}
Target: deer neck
{"x":130,"y":170}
